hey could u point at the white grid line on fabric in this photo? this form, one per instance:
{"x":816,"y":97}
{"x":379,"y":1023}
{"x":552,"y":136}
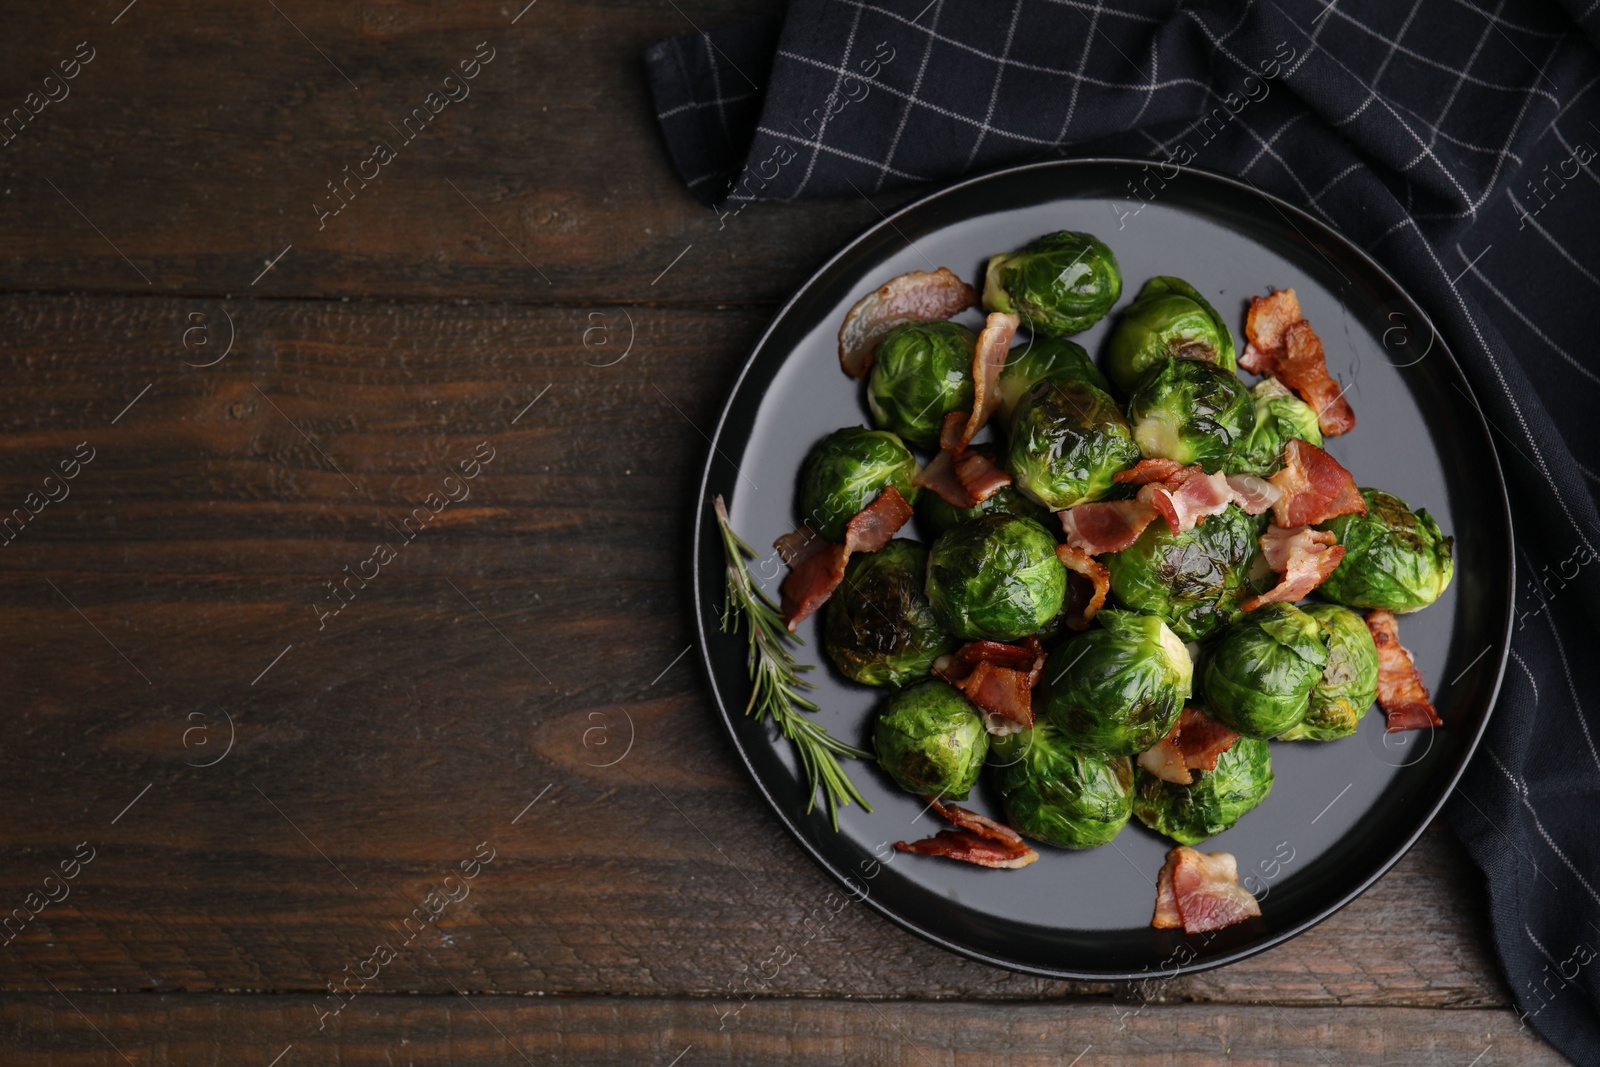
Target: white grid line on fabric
{"x":716,"y":86}
{"x":1508,"y":24}
{"x":1576,"y":96}
{"x":905,"y":110}
{"x":1388,"y":56}
{"x":994,"y":91}
{"x":841,"y":153}
{"x":1529,"y":323}
{"x":1461,"y":80}
{"x":1588,"y":11}
{"x":1267,"y":144}
{"x":1077,"y":81}
{"x":822,"y":129}
{"x":1531,"y":681}
{"x":1522,"y":793}
{"x":695,"y":105}
{"x":1149,"y":20}
{"x":1570,"y":150}
{"x":1336,"y":179}
{"x":1572,"y":689}
{"x":1100,"y":83}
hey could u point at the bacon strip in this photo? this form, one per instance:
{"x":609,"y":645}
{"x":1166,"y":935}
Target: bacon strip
{"x":1166,"y":916}
{"x":1195,"y":743}
{"x":988,"y":360}
{"x":816,"y":567}
{"x":1086,"y":566}
{"x":979,"y":475}
{"x":998,"y":678}
{"x":1283,"y":344}
{"x":1204,"y":892}
{"x":1254,"y":494}
{"x":940,"y":476}
{"x":1106,"y":525}
{"x":1315,"y":487}
{"x":1188,"y":496}
{"x":1147,"y":471}
{"x":919,"y":296}
{"x":1181,"y":495}
{"x":975,"y":839}
{"x":1303,"y":556}
{"x":1264,"y":326}
{"x":1401,"y":694}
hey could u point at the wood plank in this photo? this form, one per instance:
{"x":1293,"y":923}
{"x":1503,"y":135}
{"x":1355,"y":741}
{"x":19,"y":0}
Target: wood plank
{"x":374,"y":754}
{"x":187,"y":1029}
{"x":196,"y":144}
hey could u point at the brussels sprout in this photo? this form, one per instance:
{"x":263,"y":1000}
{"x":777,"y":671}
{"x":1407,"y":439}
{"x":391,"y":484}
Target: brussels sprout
{"x":1192,"y":412}
{"x":931,"y":740}
{"x":1045,"y":357}
{"x":1349,"y":683}
{"x":1191,"y":813}
{"x":846,"y":471}
{"x":1259,"y":675}
{"x":1060,"y":284}
{"x":1056,"y":793}
{"x":1117,"y":690}
{"x":1280,"y":417}
{"x":1169,"y":319}
{"x":1194,"y":580}
{"x":938,"y":515}
{"x":995,"y":577}
{"x":1067,"y":440}
{"x":922,"y":371}
{"x":879,"y":628}
{"x":1393,"y":557}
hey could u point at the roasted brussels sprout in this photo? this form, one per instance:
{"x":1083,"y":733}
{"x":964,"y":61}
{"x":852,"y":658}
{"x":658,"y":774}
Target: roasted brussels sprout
{"x":1059,"y":794}
{"x":922,"y":371}
{"x":1045,"y":357}
{"x":995,"y":577}
{"x":938,"y":515}
{"x":1280,"y":416}
{"x":1215,"y":801}
{"x":846,"y":471}
{"x":1259,"y":674}
{"x":1169,"y":319}
{"x":1062,"y":283}
{"x":879,"y":629}
{"x":1191,"y":411}
{"x":931,"y":740}
{"x":1393,"y":557}
{"x":1067,"y":440}
{"x":1118,"y":689}
{"x":1194,"y":580}
{"x":1349,"y":683}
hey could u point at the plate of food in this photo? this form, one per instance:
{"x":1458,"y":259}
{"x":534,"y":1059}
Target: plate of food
{"x":1140,"y":570}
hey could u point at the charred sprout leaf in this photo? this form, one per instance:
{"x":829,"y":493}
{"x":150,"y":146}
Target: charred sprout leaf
{"x":1169,"y":319}
{"x":879,"y":628}
{"x":1394,"y":558}
{"x":1280,"y":417}
{"x":1067,"y":440}
{"x":1058,"y":794}
{"x":1191,"y":813}
{"x":1045,"y":357}
{"x":775,"y":673}
{"x":922,"y":371}
{"x":1118,"y":689}
{"x":1063,"y":283}
{"x":996,"y":577}
{"x":1192,"y":412}
{"x":1349,"y":683}
{"x":1259,"y":674}
{"x":931,"y":740}
{"x":1194,"y":580}
{"x":846,"y":471}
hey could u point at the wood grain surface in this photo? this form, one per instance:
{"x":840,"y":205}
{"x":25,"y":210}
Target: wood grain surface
{"x":269,"y":787}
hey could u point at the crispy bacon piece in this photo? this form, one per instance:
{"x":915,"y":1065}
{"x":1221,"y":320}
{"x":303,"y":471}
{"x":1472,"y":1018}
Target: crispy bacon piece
{"x":1303,"y":367}
{"x":1254,"y":494}
{"x":1201,"y":892}
{"x":940,"y":476}
{"x":1401,"y":694}
{"x":988,"y":359}
{"x":979,"y":475}
{"x":919,"y":296}
{"x":1264,"y":326}
{"x":1303,"y":556}
{"x":1086,"y":566}
{"x":1315,"y":487}
{"x":1147,"y":471}
{"x":1106,"y":525}
{"x":974,"y":839}
{"x":1188,"y":496}
{"x":816,"y":567}
{"x":998,"y":678}
{"x":1194,"y":743}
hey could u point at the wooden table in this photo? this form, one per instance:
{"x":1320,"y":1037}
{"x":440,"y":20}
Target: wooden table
{"x":261,"y":743}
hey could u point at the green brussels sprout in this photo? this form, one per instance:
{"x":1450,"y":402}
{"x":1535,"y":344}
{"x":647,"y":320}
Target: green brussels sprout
{"x":1349,"y":683}
{"x":1169,"y":319}
{"x":922,"y":371}
{"x":1118,"y":689}
{"x":879,"y":629}
{"x":1192,"y":412}
{"x":996,"y":577}
{"x":939,"y":515}
{"x":1280,"y":417}
{"x":846,"y":471}
{"x":1062,"y":283}
{"x":1393,"y":557}
{"x":1045,"y":357}
{"x":1067,"y":440}
{"x":1259,"y":675}
{"x":1215,"y":801}
{"x":931,"y":740}
{"x":1055,"y":793}
{"x":1194,"y":580}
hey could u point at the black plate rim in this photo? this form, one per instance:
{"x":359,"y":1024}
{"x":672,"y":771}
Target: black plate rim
{"x":1297,"y":217}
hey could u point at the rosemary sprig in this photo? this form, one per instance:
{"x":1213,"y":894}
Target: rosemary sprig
{"x":776,"y":693}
